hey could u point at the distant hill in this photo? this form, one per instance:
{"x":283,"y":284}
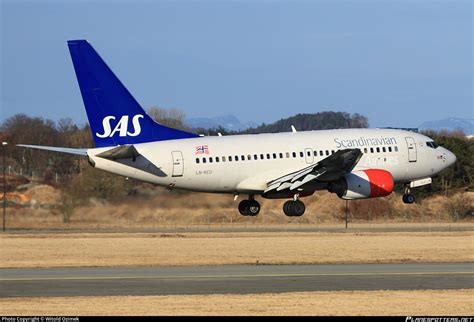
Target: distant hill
{"x":228,"y":122}
{"x":450,"y":124}
{"x":316,"y":121}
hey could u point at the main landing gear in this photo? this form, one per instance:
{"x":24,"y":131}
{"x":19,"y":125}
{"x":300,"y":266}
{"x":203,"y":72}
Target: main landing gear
{"x":408,"y":198}
{"x":291,"y":208}
{"x":294,"y":208}
{"x":249,"y":207}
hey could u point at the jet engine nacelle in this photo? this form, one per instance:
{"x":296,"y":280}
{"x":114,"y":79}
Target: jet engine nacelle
{"x":369,"y":183}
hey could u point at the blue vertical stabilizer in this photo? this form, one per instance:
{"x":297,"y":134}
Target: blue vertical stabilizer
{"x":115,"y":117}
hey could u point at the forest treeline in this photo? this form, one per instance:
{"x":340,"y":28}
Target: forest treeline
{"x":61,"y":169}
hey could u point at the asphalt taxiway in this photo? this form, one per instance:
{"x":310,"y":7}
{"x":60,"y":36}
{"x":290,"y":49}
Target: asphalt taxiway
{"x":236,"y":279}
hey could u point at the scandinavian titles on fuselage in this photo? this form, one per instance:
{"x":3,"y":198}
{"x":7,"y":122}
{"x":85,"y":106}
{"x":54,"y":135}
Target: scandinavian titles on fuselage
{"x":363,"y":142}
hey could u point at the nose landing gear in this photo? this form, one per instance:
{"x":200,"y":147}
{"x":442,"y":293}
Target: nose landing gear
{"x":408,"y":197}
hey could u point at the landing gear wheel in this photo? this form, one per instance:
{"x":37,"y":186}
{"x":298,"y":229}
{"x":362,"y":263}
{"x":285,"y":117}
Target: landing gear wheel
{"x":244,"y":207}
{"x":249,"y":207}
{"x":408,"y":198}
{"x":294,"y":208}
{"x":298,"y":208}
{"x":286,"y":208}
{"x":254,"y":208}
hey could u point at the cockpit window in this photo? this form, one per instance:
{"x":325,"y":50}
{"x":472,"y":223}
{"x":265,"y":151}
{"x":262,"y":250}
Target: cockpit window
{"x":432,"y":144}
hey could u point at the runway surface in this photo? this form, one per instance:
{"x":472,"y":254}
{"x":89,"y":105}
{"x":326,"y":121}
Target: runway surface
{"x":238,"y":279}
{"x":255,"y":228}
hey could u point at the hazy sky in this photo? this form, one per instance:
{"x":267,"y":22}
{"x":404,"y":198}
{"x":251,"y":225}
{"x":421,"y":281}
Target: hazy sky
{"x":397,"y":62}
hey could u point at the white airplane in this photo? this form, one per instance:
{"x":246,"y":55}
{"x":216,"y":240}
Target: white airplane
{"x":353,"y":163}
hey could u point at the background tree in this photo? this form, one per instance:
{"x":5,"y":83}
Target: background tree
{"x":461,"y":173}
{"x":317,"y":121}
{"x":172,"y":117}
{"x":21,"y":128}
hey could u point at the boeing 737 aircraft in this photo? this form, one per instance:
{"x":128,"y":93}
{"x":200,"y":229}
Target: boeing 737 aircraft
{"x":353,"y":163}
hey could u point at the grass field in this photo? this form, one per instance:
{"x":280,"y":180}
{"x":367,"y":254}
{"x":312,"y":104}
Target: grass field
{"x":207,"y":248}
{"x":164,"y":208}
{"x":405,"y":303}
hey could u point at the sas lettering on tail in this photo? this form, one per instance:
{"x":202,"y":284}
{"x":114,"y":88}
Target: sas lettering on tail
{"x":121,"y":127}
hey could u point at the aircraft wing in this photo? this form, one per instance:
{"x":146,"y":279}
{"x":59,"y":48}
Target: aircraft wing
{"x":82,"y":152}
{"x":331,"y":168}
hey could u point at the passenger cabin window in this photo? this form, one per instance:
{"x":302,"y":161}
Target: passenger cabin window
{"x":223,"y":159}
{"x":389,"y":149}
{"x":203,"y":160}
{"x":365,"y":150}
{"x":281,"y":155}
{"x":309,"y":153}
{"x":242,"y":157}
{"x":274,"y":155}
{"x":262,"y":157}
{"x":255,"y":157}
{"x":230,"y":158}
{"x":210,"y":160}
{"x":217,"y":159}
{"x":197,"y":160}
{"x":268,"y":156}
{"x":287,"y":155}
{"x":371,"y":150}
{"x":378,"y":150}
{"x":383,"y":149}
{"x":321,"y":153}
{"x":332,"y":151}
{"x":294,"y":154}
{"x":249,"y":157}
{"x":301,"y":154}
{"x":327,"y":152}
{"x":396,"y":148}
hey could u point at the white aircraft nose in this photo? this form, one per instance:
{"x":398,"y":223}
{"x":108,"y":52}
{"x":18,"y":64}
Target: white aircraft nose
{"x":450,"y":157}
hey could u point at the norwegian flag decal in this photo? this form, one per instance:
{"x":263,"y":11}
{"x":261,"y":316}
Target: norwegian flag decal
{"x":202,"y":149}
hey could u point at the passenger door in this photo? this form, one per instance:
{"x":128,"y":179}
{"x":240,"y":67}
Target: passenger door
{"x":178,"y":164}
{"x":411,"y":149}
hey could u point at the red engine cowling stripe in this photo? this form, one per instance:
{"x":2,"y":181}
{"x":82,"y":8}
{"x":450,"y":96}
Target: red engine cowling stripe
{"x":381,"y":182}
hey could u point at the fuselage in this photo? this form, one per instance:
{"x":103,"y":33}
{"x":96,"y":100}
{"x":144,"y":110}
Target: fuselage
{"x":246,"y":163}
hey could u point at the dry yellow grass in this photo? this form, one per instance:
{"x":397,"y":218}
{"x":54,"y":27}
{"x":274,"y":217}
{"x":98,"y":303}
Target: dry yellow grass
{"x":155,"y":249}
{"x":163,"y":207}
{"x":405,"y":303}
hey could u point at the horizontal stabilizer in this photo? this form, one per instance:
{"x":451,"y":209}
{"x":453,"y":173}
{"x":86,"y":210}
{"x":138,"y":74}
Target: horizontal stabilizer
{"x":82,"y":152}
{"x":120,"y":152}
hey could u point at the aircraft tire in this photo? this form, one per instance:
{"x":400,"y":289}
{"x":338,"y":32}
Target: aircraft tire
{"x":298,"y":208}
{"x":287,"y":208}
{"x":253,"y":208}
{"x":294,"y":208}
{"x":244,"y":207}
{"x":408,"y":198}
